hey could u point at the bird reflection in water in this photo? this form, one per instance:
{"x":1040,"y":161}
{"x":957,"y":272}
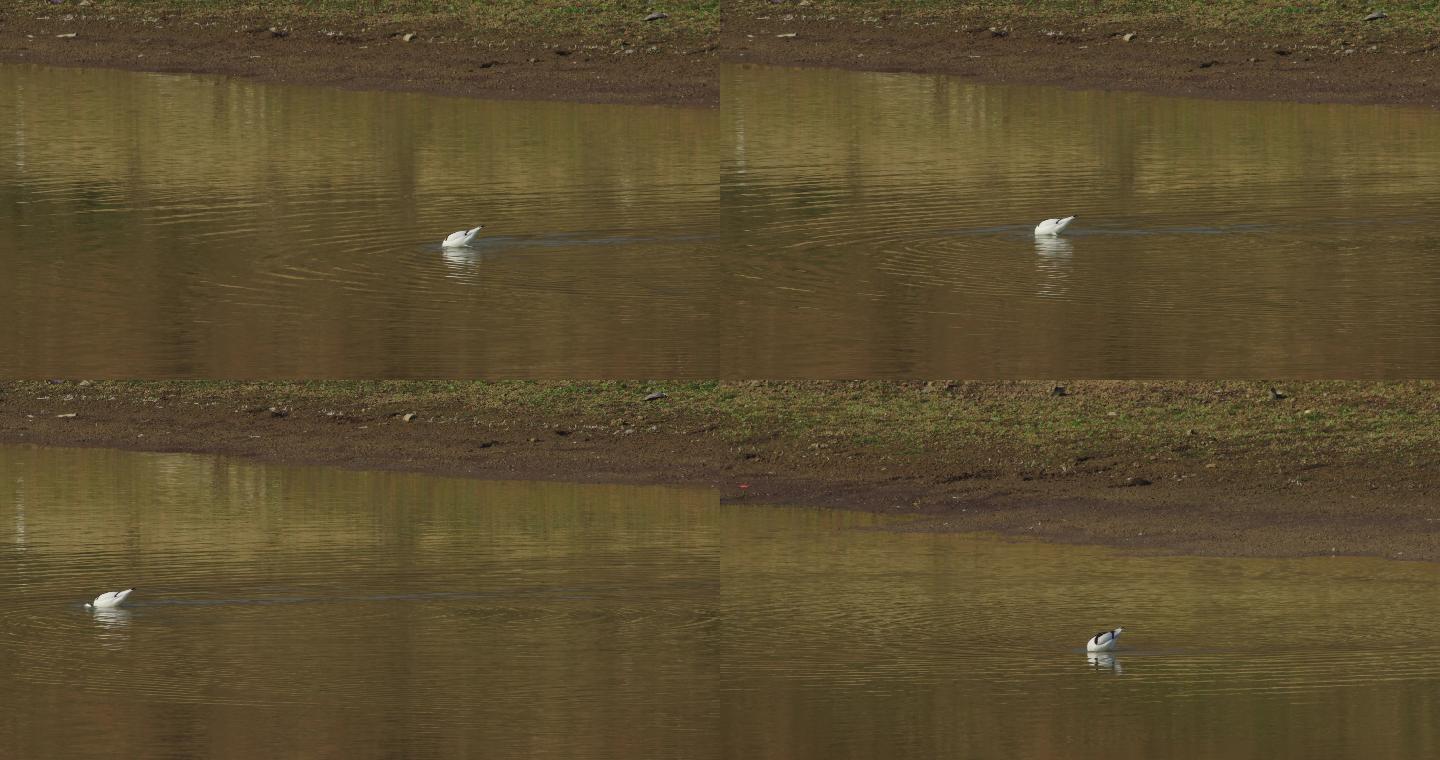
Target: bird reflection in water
{"x":462,"y":263}
{"x":1053,"y":263}
{"x":1104,"y":661}
{"x":114,"y":626}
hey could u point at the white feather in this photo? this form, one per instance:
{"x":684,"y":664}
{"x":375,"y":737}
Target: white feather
{"x":462,"y":238}
{"x":1103,"y":641}
{"x":110,"y":599}
{"x":1053,"y":226}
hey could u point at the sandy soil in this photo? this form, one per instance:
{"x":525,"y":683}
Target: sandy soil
{"x":1241,"y":505}
{"x":1360,"y":64}
{"x":535,"y":66}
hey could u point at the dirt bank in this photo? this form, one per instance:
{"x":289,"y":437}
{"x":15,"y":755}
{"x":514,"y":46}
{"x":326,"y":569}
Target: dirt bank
{"x":669,"y":61}
{"x":1207,"y":468}
{"x":1251,"y":53}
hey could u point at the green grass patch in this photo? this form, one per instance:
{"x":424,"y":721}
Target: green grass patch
{"x":1272,"y":16}
{"x":1010,"y":422}
{"x":522,"y":18}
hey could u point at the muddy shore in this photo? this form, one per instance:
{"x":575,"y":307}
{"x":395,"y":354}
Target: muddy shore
{"x":675,"y":61}
{"x":1346,"y":61}
{"x":644,"y":64}
{"x":1356,"y":473}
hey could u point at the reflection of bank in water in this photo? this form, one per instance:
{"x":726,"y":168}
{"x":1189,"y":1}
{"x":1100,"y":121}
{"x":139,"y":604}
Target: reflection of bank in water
{"x":1053,"y":261}
{"x":20,"y":514}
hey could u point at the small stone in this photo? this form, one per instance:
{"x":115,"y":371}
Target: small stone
{"x":1136,"y":481}
{"x":656,"y":396}
{"x":408,"y":417}
{"x":1208,"y":64}
{"x":1276,"y":395}
{"x":1130,"y":37}
{"x":408,"y":37}
{"x":1377,"y":15}
{"x":657,"y":16}
{"x":998,"y":32}
{"x":86,"y":383}
{"x":786,"y":35}
{"x":69,"y":36}
{"x":277,"y":32}
{"x":276,"y":411}
{"x":69,"y":416}
{"x":1059,"y":390}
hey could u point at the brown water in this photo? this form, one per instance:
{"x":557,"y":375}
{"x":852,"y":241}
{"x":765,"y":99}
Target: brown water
{"x":305,"y":612}
{"x":822,"y":224}
{"x":882,"y":227}
{"x":164,"y":225}
{"x":291,"y":612}
{"x":840,"y":641}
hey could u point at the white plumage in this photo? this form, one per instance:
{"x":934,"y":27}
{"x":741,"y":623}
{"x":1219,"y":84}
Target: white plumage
{"x":110,"y":599}
{"x":1053,"y":226}
{"x":462,"y":238}
{"x":1103,"y":641}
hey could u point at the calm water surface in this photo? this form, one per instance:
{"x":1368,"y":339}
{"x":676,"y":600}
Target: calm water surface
{"x":316,"y":613}
{"x":883,"y":228}
{"x":821,"y":224}
{"x":166,"y":225}
{"x":841,"y":641}
{"x":321,"y":613}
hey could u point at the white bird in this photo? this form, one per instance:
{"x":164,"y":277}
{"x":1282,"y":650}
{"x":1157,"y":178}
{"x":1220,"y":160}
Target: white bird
{"x":462,"y":238}
{"x":1053,"y":226}
{"x":109,"y":599}
{"x":1103,"y":641}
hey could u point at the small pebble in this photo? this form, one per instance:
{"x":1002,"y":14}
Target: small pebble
{"x":657,"y":16}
